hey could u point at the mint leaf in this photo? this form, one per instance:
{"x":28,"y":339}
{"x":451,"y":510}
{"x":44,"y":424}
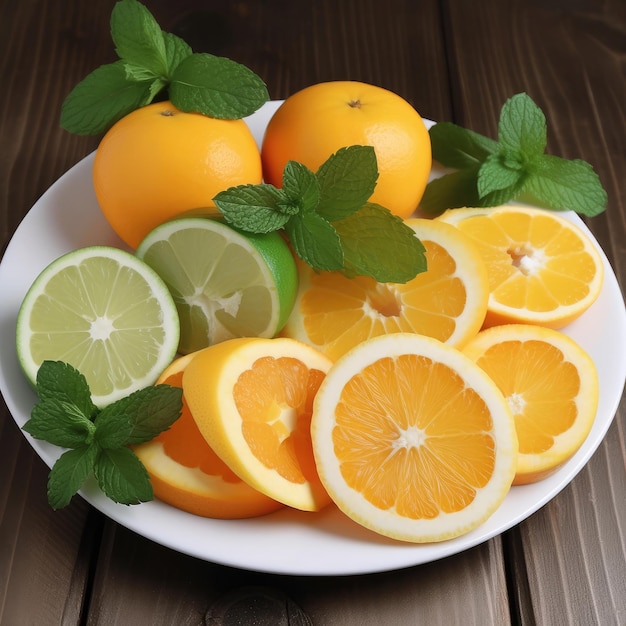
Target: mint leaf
{"x":152,"y":410}
{"x":66,"y":416}
{"x":60,"y":381}
{"x":138,"y":38}
{"x":112,"y":428}
{"x":368,"y":235}
{"x":254,"y":208}
{"x":69,"y":473}
{"x":216,"y":86}
{"x":458,"y":147}
{"x":522,"y":128}
{"x":101,"y":99}
{"x":122,"y":476}
{"x":315,"y":241}
{"x":301,"y":187}
{"x":347,"y":180}
{"x":451,"y":191}
{"x":176,"y":50}
{"x":60,"y":423}
{"x":561,"y":184}
{"x":495,"y":176}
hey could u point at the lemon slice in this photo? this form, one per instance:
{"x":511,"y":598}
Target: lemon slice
{"x":252,"y":399}
{"x":412,"y":439}
{"x":542,"y":268}
{"x":551,"y":385}
{"x":226,"y":284}
{"x":448,"y":302}
{"x":104,"y":312}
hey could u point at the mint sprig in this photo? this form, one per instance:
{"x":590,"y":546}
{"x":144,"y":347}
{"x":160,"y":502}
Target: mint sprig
{"x":515,"y":167}
{"x":98,"y":439}
{"x":153,"y":63}
{"x":327,"y":217}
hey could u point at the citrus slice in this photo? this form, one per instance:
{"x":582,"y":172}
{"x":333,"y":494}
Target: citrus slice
{"x":448,"y":301}
{"x":187,"y":474}
{"x":542,"y":268}
{"x":551,"y":385}
{"x":104,"y":312}
{"x":252,"y":400}
{"x":225,"y":283}
{"x":412,"y":439}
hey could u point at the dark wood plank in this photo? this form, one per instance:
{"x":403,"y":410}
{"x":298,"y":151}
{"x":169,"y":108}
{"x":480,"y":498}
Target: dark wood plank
{"x":44,"y":555}
{"x":568,"y":559}
{"x":139,"y":582}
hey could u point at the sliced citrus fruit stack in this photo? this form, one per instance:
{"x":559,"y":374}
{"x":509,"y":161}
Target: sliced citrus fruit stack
{"x":106,"y":313}
{"x":551,"y":385}
{"x":542,"y":268}
{"x":412,"y":439}
{"x":252,"y":400}
{"x":186,"y":473}
{"x":448,"y":301}
{"x":225,"y":283}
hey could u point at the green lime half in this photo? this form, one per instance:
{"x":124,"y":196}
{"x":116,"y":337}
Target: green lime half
{"x":106,"y":313}
{"x":225,"y":283}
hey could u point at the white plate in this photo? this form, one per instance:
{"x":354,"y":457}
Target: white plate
{"x":288,"y":542}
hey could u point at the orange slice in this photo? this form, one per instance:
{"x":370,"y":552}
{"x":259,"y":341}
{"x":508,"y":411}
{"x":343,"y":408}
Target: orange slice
{"x":551,"y":385}
{"x":412,"y":439}
{"x":187,"y":474}
{"x":252,"y":399}
{"x":448,"y":301}
{"x":543,"y":269}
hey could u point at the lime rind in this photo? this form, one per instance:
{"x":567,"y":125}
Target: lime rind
{"x":103,"y":311}
{"x":225,"y":283}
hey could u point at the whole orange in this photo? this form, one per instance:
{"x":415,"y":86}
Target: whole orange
{"x":317,"y":121}
{"x":157,"y":163}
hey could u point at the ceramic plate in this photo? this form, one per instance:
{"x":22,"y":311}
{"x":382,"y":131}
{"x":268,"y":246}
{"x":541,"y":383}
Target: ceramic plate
{"x":288,"y":542}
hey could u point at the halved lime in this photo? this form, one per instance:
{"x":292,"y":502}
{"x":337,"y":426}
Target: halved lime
{"x":225,"y":283}
{"x":105,"y":312}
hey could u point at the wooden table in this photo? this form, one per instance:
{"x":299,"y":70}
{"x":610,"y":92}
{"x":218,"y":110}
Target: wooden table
{"x":454,"y":60}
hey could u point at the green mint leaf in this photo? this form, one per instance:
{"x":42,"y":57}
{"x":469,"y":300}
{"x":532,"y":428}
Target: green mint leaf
{"x":60,"y":423}
{"x":60,"y":381}
{"x":347,"y":180}
{"x":122,"y":477}
{"x":496,"y":176}
{"x":301,"y":187}
{"x":459,"y":148}
{"x":139,"y":417}
{"x":451,"y":191}
{"x":113,"y":428}
{"x":138,"y":38}
{"x":561,"y":184}
{"x":152,"y":410}
{"x":69,"y":473}
{"x":254,"y":208}
{"x":378,"y":244}
{"x":315,"y":241}
{"x":176,"y":51}
{"x":522,"y":128}
{"x":102,"y":98}
{"x":216,"y":86}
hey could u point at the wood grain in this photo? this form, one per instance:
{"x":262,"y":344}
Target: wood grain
{"x":453,"y":60}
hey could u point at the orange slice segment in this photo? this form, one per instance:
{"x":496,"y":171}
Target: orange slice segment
{"x":252,"y":400}
{"x":412,"y":439}
{"x":542,"y":268}
{"x":448,"y":301}
{"x":186,"y":473}
{"x":551,"y":385}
